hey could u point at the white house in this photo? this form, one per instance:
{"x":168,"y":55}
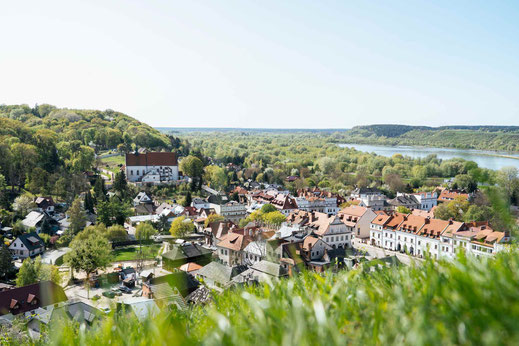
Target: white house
{"x":27,"y":245}
{"x":428,"y":200}
{"x":359,"y":218}
{"x":154,"y":167}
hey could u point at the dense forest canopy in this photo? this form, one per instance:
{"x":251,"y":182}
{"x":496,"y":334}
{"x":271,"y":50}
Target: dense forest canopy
{"x":45,"y":149}
{"x":504,"y":138}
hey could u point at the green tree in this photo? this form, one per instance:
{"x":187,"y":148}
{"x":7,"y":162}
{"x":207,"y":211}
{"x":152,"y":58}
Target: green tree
{"x":89,"y":202}
{"x":268,"y":208}
{"x":28,"y":273}
{"x":77,"y":216}
{"x":99,"y":190}
{"x":402,"y":209}
{"x":163,"y":223}
{"x":274,"y":218}
{"x":193,"y":167}
{"x":181,"y":226}
{"x":216,"y":177}
{"x":89,"y":253}
{"x":6,"y":262}
{"x":120,"y":184}
{"x":187,"y":200}
{"x":116,"y":233}
{"x":113,"y":212}
{"x":478,"y":213}
{"x":213,"y":218}
{"x":144,"y":231}
{"x":22,"y":204}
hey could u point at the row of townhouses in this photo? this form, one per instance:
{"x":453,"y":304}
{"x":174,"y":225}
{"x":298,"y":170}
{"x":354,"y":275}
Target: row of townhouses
{"x":419,"y":235}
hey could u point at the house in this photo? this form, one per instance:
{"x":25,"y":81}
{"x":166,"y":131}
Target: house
{"x":229,"y":249}
{"x":27,"y":245}
{"x":318,"y":200}
{"x":81,"y":313}
{"x":31,"y":297}
{"x":254,"y":252}
{"x":231,"y":211}
{"x":141,"y":307}
{"x":376,"y":229}
{"x":364,"y":192}
{"x":190,"y":267}
{"x":219,"y":276}
{"x":359,"y":219}
{"x":427,"y":200}
{"x":180,"y":281}
{"x":260,"y":272}
{"x":447,"y":195}
{"x":45,"y":204}
{"x":200,"y":203}
{"x":331,"y":229}
{"x":405,"y":200}
{"x":479,"y":239}
{"x":152,"y":167}
{"x":142,"y":198}
{"x":163,"y":294}
{"x":215,"y":231}
{"x":185,"y":253}
{"x":314,"y":248}
{"x":36,"y":219}
{"x":202,"y":295}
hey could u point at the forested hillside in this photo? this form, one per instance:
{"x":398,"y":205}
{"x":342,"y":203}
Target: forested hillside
{"x":504,"y":138}
{"x":46,"y":149}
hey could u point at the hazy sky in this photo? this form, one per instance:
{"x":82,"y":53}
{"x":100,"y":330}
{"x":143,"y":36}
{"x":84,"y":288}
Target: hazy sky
{"x":282,"y":64}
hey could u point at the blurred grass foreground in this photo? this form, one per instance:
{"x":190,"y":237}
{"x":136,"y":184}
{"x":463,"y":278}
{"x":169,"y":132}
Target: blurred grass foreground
{"x":466,"y":301}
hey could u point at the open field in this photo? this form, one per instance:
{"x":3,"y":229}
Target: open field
{"x":132,"y":253}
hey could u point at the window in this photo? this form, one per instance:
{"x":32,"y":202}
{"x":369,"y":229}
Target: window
{"x":435,"y":247}
{"x":137,"y":172}
{"x":131,"y":172}
{"x":418,"y":242}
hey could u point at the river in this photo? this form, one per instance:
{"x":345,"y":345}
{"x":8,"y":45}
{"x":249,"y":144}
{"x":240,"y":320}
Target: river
{"x":486,"y":159}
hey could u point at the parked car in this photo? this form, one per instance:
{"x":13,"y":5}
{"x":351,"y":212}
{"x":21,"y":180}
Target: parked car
{"x":125,"y":289}
{"x":116,"y":291}
{"x":108,"y":294}
{"x":105,"y":310}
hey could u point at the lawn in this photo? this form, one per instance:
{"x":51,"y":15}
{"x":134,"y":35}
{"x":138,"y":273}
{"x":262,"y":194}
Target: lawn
{"x":132,"y":253}
{"x":113,"y":162}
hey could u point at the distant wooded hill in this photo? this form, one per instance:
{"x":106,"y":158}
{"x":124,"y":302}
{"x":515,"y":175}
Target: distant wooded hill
{"x":504,"y":138}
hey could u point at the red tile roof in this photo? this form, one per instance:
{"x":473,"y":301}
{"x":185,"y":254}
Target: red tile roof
{"x":151,"y":159}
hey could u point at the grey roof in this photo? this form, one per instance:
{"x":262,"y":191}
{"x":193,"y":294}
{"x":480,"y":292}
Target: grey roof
{"x":142,"y":196}
{"x":220,"y":272}
{"x":31,"y":241}
{"x":201,"y":295}
{"x":185,"y":251}
{"x":33,"y":218}
{"x":78,"y":311}
{"x":143,"y":308}
{"x":270,"y":268}
{"x":404,"y":200}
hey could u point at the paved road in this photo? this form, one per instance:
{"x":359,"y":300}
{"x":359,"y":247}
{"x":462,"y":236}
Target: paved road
{"x":377,"y":252}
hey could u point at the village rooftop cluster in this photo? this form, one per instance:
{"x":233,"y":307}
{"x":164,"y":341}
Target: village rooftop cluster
{"x":232,"y":242}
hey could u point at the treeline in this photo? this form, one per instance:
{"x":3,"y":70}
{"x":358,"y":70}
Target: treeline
{"x":505,"y":138}
{"x":98,"y":129}
{"x":46,"y":150}
{"x":318,"y":161}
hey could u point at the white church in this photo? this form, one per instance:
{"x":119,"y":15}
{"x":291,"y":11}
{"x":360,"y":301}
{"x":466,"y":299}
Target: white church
{"x":153,"y":167}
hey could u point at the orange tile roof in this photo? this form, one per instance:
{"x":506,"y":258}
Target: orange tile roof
{"x":189,"y":267}
{"x":353,"y":210}
{"x":234,"y":241}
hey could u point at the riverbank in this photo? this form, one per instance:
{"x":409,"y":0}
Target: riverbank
{"x":484,"y":158}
